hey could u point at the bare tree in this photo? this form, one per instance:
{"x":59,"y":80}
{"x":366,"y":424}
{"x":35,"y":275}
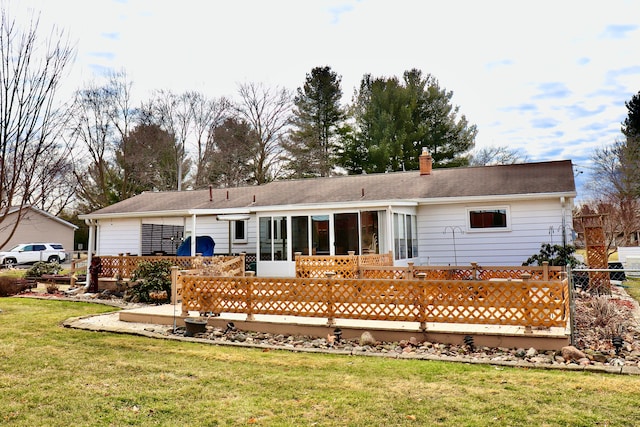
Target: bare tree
{"x":613,"y":186}
{"x":502,"y":155}
{"x":174,"y":113}
{"x":30,"y":75}
{"x":122,"y":115}
{"x":102,"y":118}
{"x":55,"y":185}
{"x":268,"y":113}
{"x":208,"y":114}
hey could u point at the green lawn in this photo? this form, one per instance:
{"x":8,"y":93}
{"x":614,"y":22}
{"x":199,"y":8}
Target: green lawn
{"x":54,"y":376}
{"x":633,"y":288}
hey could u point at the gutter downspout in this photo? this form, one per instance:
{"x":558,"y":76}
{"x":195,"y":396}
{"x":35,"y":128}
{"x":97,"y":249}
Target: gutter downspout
{"x":390,"y":233}
{"x":564,"y":222}
{"x":193,"y":235}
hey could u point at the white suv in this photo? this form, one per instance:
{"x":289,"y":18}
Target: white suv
{"x":27,"y":253}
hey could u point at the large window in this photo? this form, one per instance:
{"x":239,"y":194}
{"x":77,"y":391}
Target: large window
{"x":369,"y":232}
{"x":346,"y":233}
{"x":300,"y":235}
{"x":320,"y":234}
{"x":492,"y":218}
{"x":273,"y":238}
{"x":310,"y":235}
{"x":405,"y":236}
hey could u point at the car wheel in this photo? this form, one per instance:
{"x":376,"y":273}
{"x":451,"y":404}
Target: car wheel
{"x":53,"y":258}
{"x":9,"y":262}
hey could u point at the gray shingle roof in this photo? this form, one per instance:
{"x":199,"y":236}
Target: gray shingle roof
{"x":528,"y":178}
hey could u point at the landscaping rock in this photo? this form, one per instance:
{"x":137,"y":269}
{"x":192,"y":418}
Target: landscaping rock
{"x":570,"y":353}
{"x":584,"y":361}
{"x":367,"y":339}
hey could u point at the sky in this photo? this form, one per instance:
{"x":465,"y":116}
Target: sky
{"x":549,"y":78}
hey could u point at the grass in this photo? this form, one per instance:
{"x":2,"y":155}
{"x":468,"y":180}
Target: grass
{"x":15,"y":273}
{"x":54,"y":376}
{"x":633,"y":287}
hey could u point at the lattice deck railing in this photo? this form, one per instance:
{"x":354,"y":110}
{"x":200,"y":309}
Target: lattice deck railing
{"x":341,"y":266}
{"x":381,"y":267}
{"x":529,"y":303}
{"x":124,"y":265}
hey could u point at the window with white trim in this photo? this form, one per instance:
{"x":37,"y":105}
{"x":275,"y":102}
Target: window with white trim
{"x":239,"y":232}
{"x":489,"y":219}
{"x":405,"y":236}
{"x":272,"y":236}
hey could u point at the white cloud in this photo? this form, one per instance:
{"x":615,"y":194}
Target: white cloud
{"x":549,"y":77}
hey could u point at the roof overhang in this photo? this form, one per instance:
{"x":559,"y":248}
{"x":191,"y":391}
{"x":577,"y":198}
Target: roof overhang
{"x":497,"y":198}
{"x":226,"y":214}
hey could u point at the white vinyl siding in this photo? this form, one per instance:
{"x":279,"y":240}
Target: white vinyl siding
{"x":35,"y":227}
{"x":219,"y":232}
{"x":119,"y":236}
{"x":530,"y":224}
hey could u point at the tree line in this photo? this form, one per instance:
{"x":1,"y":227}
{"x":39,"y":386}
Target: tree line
{"x":99,"y":147}
{"x":184,"y":140}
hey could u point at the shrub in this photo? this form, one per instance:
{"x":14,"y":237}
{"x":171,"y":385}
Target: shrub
{"x":555,"y":254}
{"x":601,"y":318}
{"x":41,"y":268}
{"x":11,"y":286}
{"x":152,"y":279}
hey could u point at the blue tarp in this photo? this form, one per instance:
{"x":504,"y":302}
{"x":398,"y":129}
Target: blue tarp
{"x":204,"y":246}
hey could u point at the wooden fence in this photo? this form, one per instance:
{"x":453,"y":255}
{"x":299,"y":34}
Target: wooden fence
{"x":472,"y":272}
{"x":341,"y":266}
{"x":123,"y":265}
{"x":521,"y":302}
{"x":380,"y":266}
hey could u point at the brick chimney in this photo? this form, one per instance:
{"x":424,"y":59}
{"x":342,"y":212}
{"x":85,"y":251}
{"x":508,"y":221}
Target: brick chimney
{"x":426,"y":162}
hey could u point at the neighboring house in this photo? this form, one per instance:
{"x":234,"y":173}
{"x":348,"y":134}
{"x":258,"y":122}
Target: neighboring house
{"x":493,"y":215}
{"x":36,"y":225}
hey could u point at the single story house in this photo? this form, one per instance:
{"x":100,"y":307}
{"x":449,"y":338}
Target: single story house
{"x":492,"y":215}
{"x":35,"y":225}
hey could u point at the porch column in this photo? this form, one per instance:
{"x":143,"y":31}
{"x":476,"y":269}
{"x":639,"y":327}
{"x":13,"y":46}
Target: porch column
{"x":193,"y":235}
{"x":390,"y":234}
{"x":90,"y":245}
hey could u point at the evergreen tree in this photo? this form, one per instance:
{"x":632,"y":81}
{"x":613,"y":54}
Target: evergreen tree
{"x":631,"y":125}
{"x":313,"y":143}
{"x":628,"y":151}
{"x":395,"y":120}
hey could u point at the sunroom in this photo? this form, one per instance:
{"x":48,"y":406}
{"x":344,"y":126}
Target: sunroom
{"x":370,"y":230}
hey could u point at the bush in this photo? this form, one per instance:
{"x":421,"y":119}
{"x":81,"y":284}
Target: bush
{"x":41,"y":268}
{"x":152,"y":282}
{"x":11,"y":286}
{"x":557,"y":255}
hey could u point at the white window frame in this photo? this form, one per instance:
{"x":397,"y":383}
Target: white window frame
{"x":505,"y":208}
{"x":409,"y":220}
{"x":246,"y":232}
